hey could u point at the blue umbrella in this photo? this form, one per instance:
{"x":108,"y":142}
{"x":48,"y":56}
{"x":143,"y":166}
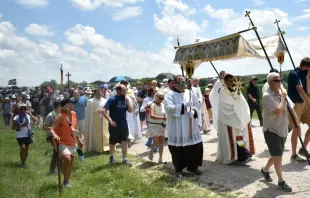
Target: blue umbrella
{"x":120,"y":78}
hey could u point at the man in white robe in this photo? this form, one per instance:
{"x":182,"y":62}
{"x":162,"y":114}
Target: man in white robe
{"x":203,"y":117}
{"x":96,"y":127}
{"x":133,"y":120}
{"x":214,"y":97}
{"x":235,"y":138}
{"x":185,"y":144}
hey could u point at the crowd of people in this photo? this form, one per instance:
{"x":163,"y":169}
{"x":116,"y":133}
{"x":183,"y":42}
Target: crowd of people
{"x":176,"y":110}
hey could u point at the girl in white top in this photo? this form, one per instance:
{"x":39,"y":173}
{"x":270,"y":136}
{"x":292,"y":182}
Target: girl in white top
{"x":22,"y":124}
{"x":157,"y":125}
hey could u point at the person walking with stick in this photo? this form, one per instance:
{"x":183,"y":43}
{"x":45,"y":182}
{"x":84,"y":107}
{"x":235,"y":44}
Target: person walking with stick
{"x":65,"y":133}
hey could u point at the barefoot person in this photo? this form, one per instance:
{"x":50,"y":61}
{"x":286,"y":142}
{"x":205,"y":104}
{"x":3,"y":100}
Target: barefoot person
{"x":115,"y":112}
{"x":65,"y":131}
{"x":276,"y":127}
{"x":157,"y":125}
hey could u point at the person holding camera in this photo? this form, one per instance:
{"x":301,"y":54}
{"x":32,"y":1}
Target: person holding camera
{"x":22,"y":125}
{"x":65,"y":132}
{"x":276,"y":126}
{"x":157,"y":125}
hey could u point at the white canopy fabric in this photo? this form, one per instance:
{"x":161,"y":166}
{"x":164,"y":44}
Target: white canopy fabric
{"x":233,"y":46}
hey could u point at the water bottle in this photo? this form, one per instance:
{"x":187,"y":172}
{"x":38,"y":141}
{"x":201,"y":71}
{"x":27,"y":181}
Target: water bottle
{"x":81,"y":154}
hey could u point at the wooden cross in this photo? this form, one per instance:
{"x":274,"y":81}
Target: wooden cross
{"x":68,"y":74}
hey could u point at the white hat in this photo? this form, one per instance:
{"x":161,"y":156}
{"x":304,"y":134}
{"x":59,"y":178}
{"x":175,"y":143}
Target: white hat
{"x":13,"y":96}
{"x":88,"y":91}
{"x":165,"y":80}
{"x":6,"y":98}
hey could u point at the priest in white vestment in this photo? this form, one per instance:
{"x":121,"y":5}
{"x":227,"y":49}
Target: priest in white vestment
{"x":235,"y":138}
{"x":96,"y":127}
{"x":133,"y":120}
{"x":185,"y":144}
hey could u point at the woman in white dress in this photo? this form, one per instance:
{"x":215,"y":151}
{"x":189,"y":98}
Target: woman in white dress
{"x":157,"y":125}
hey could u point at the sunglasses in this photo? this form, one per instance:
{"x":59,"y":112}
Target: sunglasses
{"x":181,"y":83}
{"x":23,"y":109}
{"x":277,"y":81}
{"x":161,"y":98}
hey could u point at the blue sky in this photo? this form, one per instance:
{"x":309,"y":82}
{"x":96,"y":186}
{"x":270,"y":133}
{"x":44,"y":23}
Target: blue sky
{"x":98,"y":39}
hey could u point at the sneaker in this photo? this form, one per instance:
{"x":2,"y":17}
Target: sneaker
{"x":296,"y":158}
{"x":178,"y":175}
{"x":111,"y":160}
{"x":151,"y":156}
{"x":67,"y":185}
{"x":246,"y":161}
{"x":266,"y":175}
{"x":284,"y":187}
{"x":195,"y":171}
{"x":302,"y":152}
{"x":127,"y":163}
{"x":160,"y":161}
{"x":24,"y":166}
{"x":52,"y":172}
{"x":149,"y":142}
{"x":156,"y":149}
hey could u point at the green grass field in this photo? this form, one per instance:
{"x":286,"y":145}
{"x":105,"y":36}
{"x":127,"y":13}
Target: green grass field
{"x":92,"y":178}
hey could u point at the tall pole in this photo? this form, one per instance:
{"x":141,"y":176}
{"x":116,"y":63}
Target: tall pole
{"x":178,"y":42}
{"x":68,"y":74}
{"x":247,"y":14}
{"x":61,"y":79}
{"x":282,"y":33}
{"x":215,"y":70}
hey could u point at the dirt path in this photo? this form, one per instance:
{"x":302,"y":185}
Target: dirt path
{"x":245,"y":181}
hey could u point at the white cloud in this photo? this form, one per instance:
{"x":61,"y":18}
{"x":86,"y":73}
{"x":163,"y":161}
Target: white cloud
{"x":39,"y":30}
{"x":86,"y":54}
{"x":94,"y":4}
{"x":33,"y":3}
{"x":263,"y":19}
{"x":126,"y":13}
{"x":301,"y":1}
{"x":305,"y":15}
{"x":302,"y":28}
{"x":258,"y":2}
{"x":171,"y":5}
{"x":174,"y":21}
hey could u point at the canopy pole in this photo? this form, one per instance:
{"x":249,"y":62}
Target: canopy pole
{"x":247,"y":14}
{"x":215,"y":69}
{"x":281,"y":33}
{"x":182,"y":69}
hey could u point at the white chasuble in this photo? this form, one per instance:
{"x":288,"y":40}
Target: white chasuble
{"x":96,"y":127}
{"x":178,"y":125}
{"x":214,"y":100}
{"x":133,"y":119}
{"x":233,"y":126}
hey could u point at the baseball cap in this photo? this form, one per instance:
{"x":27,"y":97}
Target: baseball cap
{"x":165,"y":80}
{"x":253,"y":78}
{"x":22,"y":105}
{"x":101,"y":86}
{"x":210,"y":85}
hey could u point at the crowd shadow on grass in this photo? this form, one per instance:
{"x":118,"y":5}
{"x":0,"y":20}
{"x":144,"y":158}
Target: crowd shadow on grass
{"x":94,"y":154}
{"x":47,"y":189}
{"x":295,"y":167}
{"x":12,"y":164}
{"x":272,"y":190}
{"x":105,"y":167}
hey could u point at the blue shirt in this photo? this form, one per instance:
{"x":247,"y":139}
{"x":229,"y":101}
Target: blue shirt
{"x":296,"y":77}
{"x":117,"y":108}
{"x":79,"y":107}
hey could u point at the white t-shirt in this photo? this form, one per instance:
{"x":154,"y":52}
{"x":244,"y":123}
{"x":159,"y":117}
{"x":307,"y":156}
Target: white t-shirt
{"x":23,"y":132}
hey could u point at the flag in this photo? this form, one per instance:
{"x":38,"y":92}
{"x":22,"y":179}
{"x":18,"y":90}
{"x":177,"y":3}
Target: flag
{"x":12,"y":82}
